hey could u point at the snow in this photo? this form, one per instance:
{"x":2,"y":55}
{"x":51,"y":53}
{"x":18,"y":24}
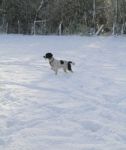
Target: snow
{"x":84,"y":110}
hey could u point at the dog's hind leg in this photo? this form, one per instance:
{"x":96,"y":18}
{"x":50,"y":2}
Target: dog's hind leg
{"x":65,"y":70}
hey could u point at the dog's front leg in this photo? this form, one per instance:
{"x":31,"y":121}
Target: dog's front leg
{"x":55,"y":70}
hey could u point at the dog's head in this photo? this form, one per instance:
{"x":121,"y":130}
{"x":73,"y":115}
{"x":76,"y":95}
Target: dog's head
{"x":48,"y":55}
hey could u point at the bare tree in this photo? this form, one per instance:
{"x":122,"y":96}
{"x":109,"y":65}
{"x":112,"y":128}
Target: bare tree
{"x":94,"y":15}
{"x":38,"y":9}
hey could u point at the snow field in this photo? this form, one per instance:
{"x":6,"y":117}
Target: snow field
{"x":84,"y":110}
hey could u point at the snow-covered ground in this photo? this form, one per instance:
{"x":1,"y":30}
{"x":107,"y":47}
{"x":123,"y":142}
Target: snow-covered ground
{"x":84,"y":110}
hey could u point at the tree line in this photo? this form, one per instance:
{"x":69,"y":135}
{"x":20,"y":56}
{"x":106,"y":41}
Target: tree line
{"x":63,"y":16}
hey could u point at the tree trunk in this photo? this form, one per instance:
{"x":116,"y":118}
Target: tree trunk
{"x":94,"y":15}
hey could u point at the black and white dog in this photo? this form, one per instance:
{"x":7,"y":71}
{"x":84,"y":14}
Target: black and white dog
{"x":57,"y":64}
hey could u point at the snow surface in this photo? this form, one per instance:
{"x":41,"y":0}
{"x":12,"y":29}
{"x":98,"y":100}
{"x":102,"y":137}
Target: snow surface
{"x":84,"y":110}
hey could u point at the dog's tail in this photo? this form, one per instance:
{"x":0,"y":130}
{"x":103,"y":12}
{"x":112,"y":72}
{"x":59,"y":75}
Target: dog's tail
{"x":69,"y":65}
{"x":73,"y":63}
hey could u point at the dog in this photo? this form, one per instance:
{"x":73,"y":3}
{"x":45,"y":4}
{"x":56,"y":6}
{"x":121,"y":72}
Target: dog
{"x":57,"y":64}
